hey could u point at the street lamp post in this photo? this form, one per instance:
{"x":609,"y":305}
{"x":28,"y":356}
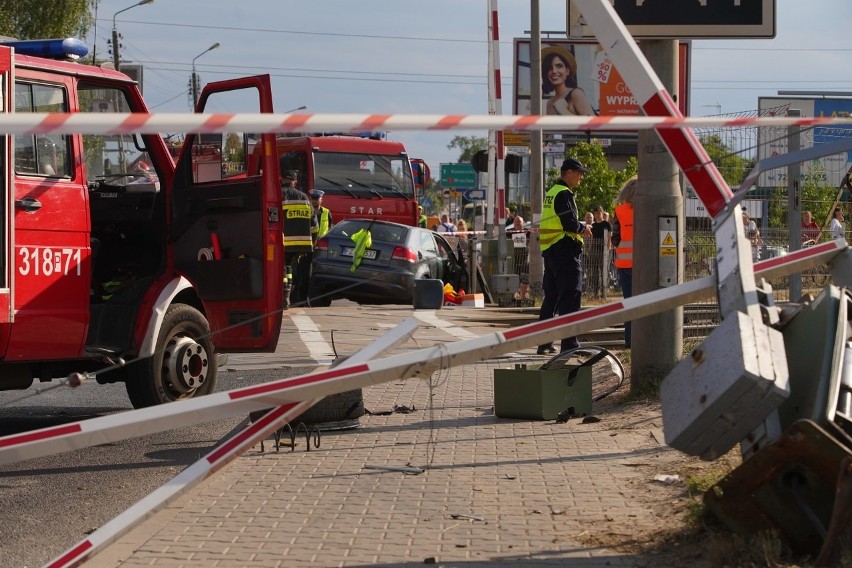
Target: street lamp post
{"x":195,"y":77}
{"x":115,"y":44}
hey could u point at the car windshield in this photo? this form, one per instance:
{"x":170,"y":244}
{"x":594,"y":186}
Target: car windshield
{"x":379,"y":232}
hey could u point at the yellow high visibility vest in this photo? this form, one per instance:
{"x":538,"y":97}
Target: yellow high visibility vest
{"x":550,"y":229}
{"x":324,"y":222}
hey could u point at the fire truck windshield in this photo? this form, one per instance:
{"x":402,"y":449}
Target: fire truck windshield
{"x":363,"y":175}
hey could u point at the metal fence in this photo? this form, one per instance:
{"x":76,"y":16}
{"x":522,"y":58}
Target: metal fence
{"x":601,"y":283}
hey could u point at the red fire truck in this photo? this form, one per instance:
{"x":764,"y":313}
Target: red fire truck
{"x":117,"y":259}
{"x":361,"y":176}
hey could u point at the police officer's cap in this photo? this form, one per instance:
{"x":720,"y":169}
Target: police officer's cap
{"x":317,"y":193}
{"x":290,"y":175}
{"x":574,"y":164}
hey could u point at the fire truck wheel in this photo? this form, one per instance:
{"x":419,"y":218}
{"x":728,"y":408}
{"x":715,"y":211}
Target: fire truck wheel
{"x":183,"y":365}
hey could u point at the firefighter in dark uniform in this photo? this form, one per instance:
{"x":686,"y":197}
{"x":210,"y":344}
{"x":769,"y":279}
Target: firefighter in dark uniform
{"x":561,"y":233}
{"x":299,"y":223}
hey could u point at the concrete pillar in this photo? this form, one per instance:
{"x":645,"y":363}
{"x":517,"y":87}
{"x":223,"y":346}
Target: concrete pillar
{"x":657,"y":342}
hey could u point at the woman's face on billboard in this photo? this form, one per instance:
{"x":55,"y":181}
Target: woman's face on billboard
{"x":559,"y":71}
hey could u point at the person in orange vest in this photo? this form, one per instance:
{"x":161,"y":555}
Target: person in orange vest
{"x":622,"y":239}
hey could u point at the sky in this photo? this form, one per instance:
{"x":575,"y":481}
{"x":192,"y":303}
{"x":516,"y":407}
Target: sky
{"x":388,"y":56}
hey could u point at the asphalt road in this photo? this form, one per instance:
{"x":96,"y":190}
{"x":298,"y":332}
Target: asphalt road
{"x":49,"y":504}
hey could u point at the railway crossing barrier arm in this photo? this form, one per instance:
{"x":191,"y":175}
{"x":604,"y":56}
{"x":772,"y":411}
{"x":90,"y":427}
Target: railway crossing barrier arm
{"x":252,"y":434}
{"x":417,"y":363}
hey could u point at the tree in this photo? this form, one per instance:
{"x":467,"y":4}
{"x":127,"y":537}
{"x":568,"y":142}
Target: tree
{"x":469,"y":145}
{"x":234,"y":148}
{"x":37,"y":19}
{"x":817,"y":197}
{"x":601,"y":184}
{"x":731,"y":165}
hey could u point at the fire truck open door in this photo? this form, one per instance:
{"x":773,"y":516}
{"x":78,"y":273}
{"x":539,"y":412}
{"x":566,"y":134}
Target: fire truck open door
{"x":6,"y":191}
{"x":226,"y":225}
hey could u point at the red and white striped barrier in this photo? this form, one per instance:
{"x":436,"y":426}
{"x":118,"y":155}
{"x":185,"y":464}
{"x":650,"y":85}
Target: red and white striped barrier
{"x":414,"y":364}
{"x":215,"y":460}
{"x":145,"y":123}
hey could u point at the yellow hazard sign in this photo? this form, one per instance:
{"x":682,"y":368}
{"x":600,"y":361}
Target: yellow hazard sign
{"x":668,"y":240}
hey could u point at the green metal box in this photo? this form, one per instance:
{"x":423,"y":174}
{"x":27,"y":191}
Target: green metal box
{"x":529,"y":392}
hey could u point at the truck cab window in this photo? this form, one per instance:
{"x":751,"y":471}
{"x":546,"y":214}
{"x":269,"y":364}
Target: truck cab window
{"x":114,"y":160}
{"x":41,"y":154}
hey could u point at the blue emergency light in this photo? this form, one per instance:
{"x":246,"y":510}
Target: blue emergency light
{"x":68,"y":48}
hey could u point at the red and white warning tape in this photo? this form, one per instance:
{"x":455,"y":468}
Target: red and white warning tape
{"x":144,"y":123}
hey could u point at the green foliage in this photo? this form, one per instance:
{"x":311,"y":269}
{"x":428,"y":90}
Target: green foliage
{"x":468,"y":145}
{"x":817,"y":197}
{"x":234,"y":148}
{"x":600,"y":186}
{"x":732,"y":166}
{"x":38,"y":19}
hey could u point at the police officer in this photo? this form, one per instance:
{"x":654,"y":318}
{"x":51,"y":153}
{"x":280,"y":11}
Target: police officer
{"x":561,"y":240}
{"x":299,"y":223}
{"x":324,"y":217}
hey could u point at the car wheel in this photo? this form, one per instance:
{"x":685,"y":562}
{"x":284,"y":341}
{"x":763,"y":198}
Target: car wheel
{"x":184,"y":363}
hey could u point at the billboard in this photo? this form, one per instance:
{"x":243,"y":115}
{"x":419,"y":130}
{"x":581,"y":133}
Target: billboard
{"x":577,"y":77}
{"x":772,"y":141}
{"x":686,"y":19}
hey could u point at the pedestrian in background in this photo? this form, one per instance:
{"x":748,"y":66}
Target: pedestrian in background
{"x":601,"y":230}
{"x":422,"y":219}
{"x":810,"y":230}
{"x":622,"y":240}
{"x":520,"y":237}
{"x":836,"y":229}
{"x":561,"y":242}
{"x":445,"y":226}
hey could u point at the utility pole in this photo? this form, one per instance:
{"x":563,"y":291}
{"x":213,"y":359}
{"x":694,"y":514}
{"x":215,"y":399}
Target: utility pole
{"x":657,"y":341}
{"x":536,"y":142}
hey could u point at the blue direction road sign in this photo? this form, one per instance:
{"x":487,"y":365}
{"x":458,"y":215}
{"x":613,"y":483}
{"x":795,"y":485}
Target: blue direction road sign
{"x":459,"y":176}
{"x":474,"y":194}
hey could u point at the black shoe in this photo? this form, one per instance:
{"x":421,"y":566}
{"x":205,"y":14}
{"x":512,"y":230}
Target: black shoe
{"x":546,"y":350}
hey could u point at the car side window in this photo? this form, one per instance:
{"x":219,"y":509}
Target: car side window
{"x":444,"y":250}
{"x":42,"y":154}
{"x":427,"y":243}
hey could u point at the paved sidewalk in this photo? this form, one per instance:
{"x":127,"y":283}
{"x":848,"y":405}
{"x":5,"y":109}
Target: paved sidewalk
{"x":493,"y":491}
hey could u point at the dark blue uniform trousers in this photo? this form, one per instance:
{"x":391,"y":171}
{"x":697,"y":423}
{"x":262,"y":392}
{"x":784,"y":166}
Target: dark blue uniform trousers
{"x":563,"y":286}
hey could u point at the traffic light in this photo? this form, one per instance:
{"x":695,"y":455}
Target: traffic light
{"x":511,"y":165}
{"x":480,"y":161}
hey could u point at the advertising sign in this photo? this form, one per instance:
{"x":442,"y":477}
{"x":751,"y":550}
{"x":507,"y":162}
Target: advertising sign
{"x":686,"y":19}
{"x":577,"y":77}
{"x":772,"y":140}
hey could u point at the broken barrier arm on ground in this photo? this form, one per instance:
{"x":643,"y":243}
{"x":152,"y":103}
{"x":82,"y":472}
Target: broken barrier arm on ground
{"x":218,"y":458}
